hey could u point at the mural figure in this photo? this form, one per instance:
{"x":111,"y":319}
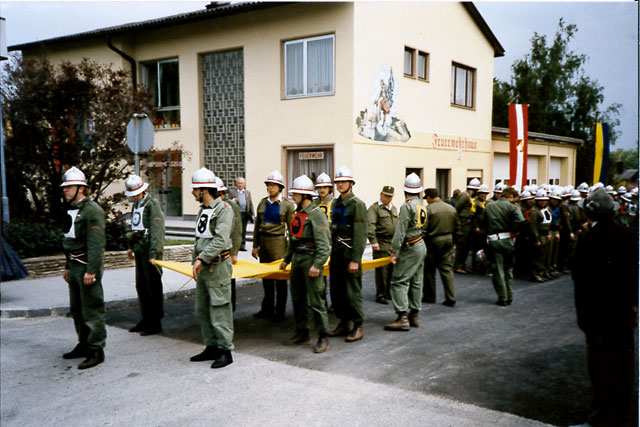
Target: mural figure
{"x":378,"y":121}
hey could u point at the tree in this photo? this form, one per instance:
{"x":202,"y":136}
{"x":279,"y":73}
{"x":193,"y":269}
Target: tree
{"x":62,"y":116}
{"x":562,"y":99}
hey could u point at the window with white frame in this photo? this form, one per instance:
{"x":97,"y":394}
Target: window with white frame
{"x":161,"y":78}
{"x":462,"y":85}
{"x":309,"y":66}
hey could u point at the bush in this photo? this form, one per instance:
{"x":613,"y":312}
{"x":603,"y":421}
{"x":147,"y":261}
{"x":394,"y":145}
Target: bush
{"x":32,"y":240}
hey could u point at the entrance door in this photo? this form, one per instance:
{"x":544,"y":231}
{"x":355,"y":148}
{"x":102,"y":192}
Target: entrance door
{"x":165,"y":177}
{"x":310,"y":161}
{"x":442,"y":182}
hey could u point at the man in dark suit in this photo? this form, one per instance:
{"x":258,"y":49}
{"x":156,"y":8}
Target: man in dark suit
{"x":242,"y":197}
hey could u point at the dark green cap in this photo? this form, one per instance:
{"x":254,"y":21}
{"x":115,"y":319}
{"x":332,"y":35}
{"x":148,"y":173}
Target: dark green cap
{"x":387,"y":190}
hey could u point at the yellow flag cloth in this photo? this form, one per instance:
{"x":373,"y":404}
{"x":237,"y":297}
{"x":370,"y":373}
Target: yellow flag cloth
{"x":254,"y":270}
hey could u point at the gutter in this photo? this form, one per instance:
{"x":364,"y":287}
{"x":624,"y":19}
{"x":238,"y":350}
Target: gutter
{"x":134,"y":66}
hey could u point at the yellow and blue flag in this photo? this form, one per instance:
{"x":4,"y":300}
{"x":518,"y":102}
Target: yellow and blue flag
{"x":601,"y":162}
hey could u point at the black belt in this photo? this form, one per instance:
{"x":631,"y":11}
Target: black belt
{"x":79,"y":256}
{"x":223,"y":255}
{"x":304,"y":247}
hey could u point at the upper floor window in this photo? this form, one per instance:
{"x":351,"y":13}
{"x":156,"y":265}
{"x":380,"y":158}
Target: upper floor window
{"x":161,"y":79}
{"x":309,"y":66}
{"x":416,"y":63}
{"x":462,"y":85}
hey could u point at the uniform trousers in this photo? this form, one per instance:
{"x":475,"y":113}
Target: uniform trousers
{"x":346,"y":289}
{"x":464,"y":243}
{"x":307,"y":296}
{"x":149,"y":289}
{"x":383,"y":274}
{"x":86,"y":305}
{"x":501,"y":252}
{"x":275,"y":291}
{"x":213,"y":304}
{"x":406,"y":283}
{"x":440,"y":256}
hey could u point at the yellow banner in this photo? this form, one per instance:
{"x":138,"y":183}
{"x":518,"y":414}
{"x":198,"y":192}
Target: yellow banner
{"x":253,"y":270}
{"x":597,"y":164}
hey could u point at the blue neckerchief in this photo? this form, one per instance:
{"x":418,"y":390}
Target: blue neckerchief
{"x":272,"y":213}
{"x":556,"y":215}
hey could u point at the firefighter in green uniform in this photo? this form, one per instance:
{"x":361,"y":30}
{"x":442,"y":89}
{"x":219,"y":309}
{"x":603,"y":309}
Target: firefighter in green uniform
{"x":83,"y":244}
{"x":539,"y":224}
{"x":503,"y":221}
{"x":273,"y":215}
{"x":407,"y":254}
{"x":236,"y":234}
{"x":464,"y":206}
{"x":308,"y":250}
{"x":479,"y":233}
{"x":146,"y":243}
{"x":348,"y":242}
{"x":440,"y":234}
{"x":212,"y":270}
{"x":575,"y":220}
{"x":324,"y":188}
{"x":382,"y":217}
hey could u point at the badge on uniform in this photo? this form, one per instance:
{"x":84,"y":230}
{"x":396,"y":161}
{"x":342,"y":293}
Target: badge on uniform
{"x":136,"y":219}
{"x":339,"y":214}
{"x":326,"y":208}
{"x":70,"y":222}
{"x":272,"y":213}
{"x":422,"y":215}
{"x":297,"y":224}
{"x":203,"y":224}
{"x":547,"y":216}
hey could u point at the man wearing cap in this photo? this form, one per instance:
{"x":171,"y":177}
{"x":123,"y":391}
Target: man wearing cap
{"x":307,"y":251}
{"x":212,"y":270}
{"x":464,"y":206}
{"x":242,"y":197}
{"x":605,"y":274}
{"x":407,"y":255}
{"x":273,"y":216}
{"x":83,"y":243}
{"x":236,"y":234}
{"x":382,"y":219}
{"x":348,"y":242}
{"x":440,"y":234}
{"x":503,"y":221}
{"x":146,"y":242}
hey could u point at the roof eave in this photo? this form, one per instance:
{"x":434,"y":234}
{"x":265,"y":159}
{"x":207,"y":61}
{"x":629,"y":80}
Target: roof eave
{"x":543,"y":136}
{"x":498,"y":50}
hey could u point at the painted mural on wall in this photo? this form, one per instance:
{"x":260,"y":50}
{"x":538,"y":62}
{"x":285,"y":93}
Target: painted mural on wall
{"x":378,"y":120}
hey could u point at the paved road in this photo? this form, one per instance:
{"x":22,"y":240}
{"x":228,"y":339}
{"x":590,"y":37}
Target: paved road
{"x":527,"y":359}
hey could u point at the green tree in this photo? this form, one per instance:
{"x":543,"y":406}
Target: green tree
{"x":562,"y":99}
{"x":58,"y":116}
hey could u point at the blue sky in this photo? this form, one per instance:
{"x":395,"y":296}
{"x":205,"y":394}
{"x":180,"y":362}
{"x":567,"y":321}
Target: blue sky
{"x":607,"y":34}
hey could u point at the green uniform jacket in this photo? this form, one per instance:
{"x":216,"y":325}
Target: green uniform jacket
{"x":220,"y":224}
{"x":565,"y":214}
{"x":89,"y":239}
{"x":315,"y":231}
{"x":463,"y":205}
{"x":381,"y":224}
{"x":150,"y":241}
{"x":261,"y":226}
{"x":479,"y":216}
{"x":441,"y":219}
{"x":349,"y":220}
{"x":325,"y":205}
{"x":236,"y":228}
{"x":408,"y":226}
{"x":503,"y":216}
{"x":537,"y":225}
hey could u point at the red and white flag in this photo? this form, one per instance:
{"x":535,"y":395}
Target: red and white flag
{"x":518,"y":144}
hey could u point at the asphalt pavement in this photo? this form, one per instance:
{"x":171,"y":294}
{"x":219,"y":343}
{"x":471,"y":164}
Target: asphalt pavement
{"x":473,"y":364}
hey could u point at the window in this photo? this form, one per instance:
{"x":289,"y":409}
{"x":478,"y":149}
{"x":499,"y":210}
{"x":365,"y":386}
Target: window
{"x":462,"y":85}
{"x":309,"y":66}
{"x":409,"y":54}
{"x":161,"y":80}
{"x":423,"y":66}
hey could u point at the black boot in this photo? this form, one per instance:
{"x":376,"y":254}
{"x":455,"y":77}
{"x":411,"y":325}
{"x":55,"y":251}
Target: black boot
{"x":210,"y":353}
{"x":78,"y":352}
{"x":223,"y":360}
{"x":156,"y":328}
{"x":94,"y":357}
{"x":137,"y":328}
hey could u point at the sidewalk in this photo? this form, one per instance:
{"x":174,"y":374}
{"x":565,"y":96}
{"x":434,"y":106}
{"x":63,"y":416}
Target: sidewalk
{"x":48,"y":296}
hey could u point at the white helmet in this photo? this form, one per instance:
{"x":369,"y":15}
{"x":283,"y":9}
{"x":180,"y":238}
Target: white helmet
{"x":526,"y":195}
{"x":344,"y":174}
{"x":533,"y":188}
{"x":575,"y":196}
{"x":597,"y":185}
{"x":276,"y":178}
{"x":583,"y":188}
{"x":555,"y":194}
{"x":73,"y":176}
{"x":627,"y":197}
{"x":634,"y":191}
{"x":323,"y":180}
{"x":412,"y":184}
{"x":302,"y":185}
{"x":541,"y":195}
{"x":622,"y":190}
{"x":499,"y":187}
{"x":515,"y":187}
{"x":484,"y":188}
{"x":134,"y":185}
{"x":203,"y":178}
{"x":474,"y":184}
{"x":609,"y":189}
{"x":220,"y":184}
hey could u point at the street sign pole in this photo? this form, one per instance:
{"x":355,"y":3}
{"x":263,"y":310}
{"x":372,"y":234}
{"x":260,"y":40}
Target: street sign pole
{"x":139,"y":137}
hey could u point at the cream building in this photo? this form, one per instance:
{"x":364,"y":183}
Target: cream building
{"x":385,"y":88}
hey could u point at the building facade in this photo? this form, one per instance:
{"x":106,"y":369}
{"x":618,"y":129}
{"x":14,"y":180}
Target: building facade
{"x":386,"y":88}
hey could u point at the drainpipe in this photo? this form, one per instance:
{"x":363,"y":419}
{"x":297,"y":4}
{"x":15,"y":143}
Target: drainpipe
{"x":134,"y":67}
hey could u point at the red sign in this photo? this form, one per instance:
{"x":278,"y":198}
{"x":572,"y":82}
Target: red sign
{"x":311,"y":155}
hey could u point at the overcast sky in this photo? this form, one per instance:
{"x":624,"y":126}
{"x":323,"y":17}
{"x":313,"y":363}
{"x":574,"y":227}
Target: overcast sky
{"x":607,"y":34}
